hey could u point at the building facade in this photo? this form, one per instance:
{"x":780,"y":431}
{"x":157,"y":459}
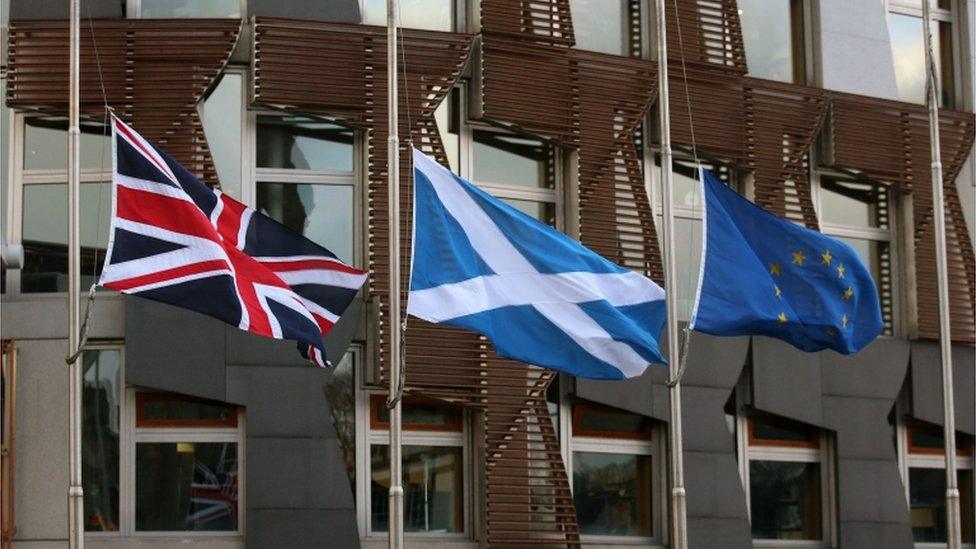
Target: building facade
{"x":197,"y":434}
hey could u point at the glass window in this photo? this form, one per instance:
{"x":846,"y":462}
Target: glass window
{"x":46,"y":145}
{"x":435,"y":15}
{"x":322,"y":213}
{"x":101,"y":420}
{"x":772,"y":31}
{"x":501,"y":159}
{"x":171,"y":410}
{"x":448,"y":117}
{"x":186,"y":486}
{"x":418,"y":414}
{"x":223,"y":125}
{"x":297,"y":143}
{"x":606,"y":26}
{"x":785,"y":500}
{"x":612,"y":493}
{"x":542,"y":211}
{"x":45,"y":235}
{"x":164,"y":9}
{"x":782,"y":432}
{"x":601,"y":421}
{"x":432,"y":484}
{"x":853,"y":203}
{"x":908,"y":52}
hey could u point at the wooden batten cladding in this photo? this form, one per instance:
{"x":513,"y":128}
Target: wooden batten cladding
{"x":888,"y":141}
{"x":154,"y":73}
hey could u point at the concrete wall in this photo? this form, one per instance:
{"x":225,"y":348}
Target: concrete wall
{"x":852,"y":47}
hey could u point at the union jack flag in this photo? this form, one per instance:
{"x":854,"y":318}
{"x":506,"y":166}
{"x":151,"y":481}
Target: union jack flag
{"x":177,"y":241}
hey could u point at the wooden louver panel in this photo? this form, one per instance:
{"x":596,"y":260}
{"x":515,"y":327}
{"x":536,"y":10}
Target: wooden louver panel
{"x":154,"y":73}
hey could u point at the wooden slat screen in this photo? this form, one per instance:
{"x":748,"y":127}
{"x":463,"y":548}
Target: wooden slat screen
{"x":154,"y":73}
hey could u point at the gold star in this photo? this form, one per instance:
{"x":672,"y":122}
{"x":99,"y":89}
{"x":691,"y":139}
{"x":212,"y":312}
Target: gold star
{"x":826,"y":258}
{"x":848,"y":293}
{"x":798,"y":257}
{"x":778,"y":291}
{"x":774,"y":269}
{"x":844,"y":320}
{"x":841,"y":270}
{"x":781,"y":318}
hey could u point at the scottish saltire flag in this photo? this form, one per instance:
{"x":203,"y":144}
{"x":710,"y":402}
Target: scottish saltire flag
{"x":762,"y":275}
{"x":540,"y":296}
{"x":177,"y":241}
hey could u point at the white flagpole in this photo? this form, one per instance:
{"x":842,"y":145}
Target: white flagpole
{"x":76,"y":525}
{"x":679,"y":520}
{"x":393,"y":172}
{"x":938,"y":214}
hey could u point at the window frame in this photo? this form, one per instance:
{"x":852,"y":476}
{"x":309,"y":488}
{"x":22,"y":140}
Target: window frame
{"x":801,"y":33}
{"x":653,"y":446}
{"x":133,"y":10}
{"x":823,"y":454}
{"x":252,"y":175}
{"x":368,"y":436}
{"x":939,"y":15}
{"x":926,"y":458}
{"x":246,"y":139}
{"x":21,"y":177}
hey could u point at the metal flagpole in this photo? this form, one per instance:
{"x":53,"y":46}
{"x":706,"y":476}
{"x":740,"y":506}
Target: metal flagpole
{"x":393,"y":172}
{"x":679,"y":529}
{"x":932,"y":101}
{"x":76,"y":526}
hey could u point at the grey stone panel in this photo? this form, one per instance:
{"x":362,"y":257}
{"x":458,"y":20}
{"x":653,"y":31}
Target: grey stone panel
{"x":715,"y":361}
{"x":875,"y":535}
{"x":714,"y":486}
{"x":174,"y":349}
{"x":862,"y":427}
{"x":639,"y":395}
{"x":712,"y":533}
{"x":871,"y":491}
{"x":927,"y":384}
{"x":704,"y":426}
{"x":282,"y":402}
{"x":786,"y":381}
{"x":45,"y":317}
{"x":302,"y":529}
{"x":877,"y":371}
{"x":333,"y":10}
{"x":58,"y":9}
{"x":296,"y":473}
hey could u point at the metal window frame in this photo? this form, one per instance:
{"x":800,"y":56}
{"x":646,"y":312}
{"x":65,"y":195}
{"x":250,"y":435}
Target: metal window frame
{"x":653,"y":448}
{"x":133,"y":435}
{"x":959,"y":48}
{"x":19,"y":177}
{"x":367,"y":436}
{"x":133,"y":9}
{"x":252,"y":175}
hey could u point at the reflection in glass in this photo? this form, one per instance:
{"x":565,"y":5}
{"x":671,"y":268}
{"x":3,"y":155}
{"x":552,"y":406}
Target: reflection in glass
{"x":687,"y":256}
{"x":297,"y":143}
{"x":448,"y":119}
{"x":926,"y":489}
{"x":186,"y":486}
{"x":46,"y":145}
{"x":781,"y":430}
{"x":419,"y":413}
{"x":612,"y":493}
{"x":773,"y":36}
{"x":876,"y":255}
{"x":222,"y":112}
{"x":510,"y":160}
{"x":166,"y":407}
{"x":601,"y":25}
{"x":161,"y":9}
{"x":435,"y":15}
{"x":432,"y":485}
{"x":323,"y":213}
{"x":101,"y":379}
{"x":542,"y":211}
{"x":609,"y":420}
{"x":908,"y":54}
{"x":853,"y":203}
{"x":340,"y":393}
{"x":45,"y":235}
{"x":785,"y":500}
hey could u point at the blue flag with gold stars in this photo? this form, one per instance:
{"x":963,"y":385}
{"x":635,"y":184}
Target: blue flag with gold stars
{"x":762,"y":275}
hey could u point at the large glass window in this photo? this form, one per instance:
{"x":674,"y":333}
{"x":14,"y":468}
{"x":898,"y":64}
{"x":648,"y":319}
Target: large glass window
{"x":773,"y":34}
{"x":186,"y":470}
{"x":41,"y":169}
{"x":607,"y":26}
{"x":926,"y":486}
{"x":169,"y":9}
{"x":858,"y":213}
{"x":614,"y":480}
{"x":908,"y":49}
{"x":433,"y":480}
{"x":101,"y":433}
{"x":222,"y":113}
{"x":305,"y":173}
{"x":786,"y":473}
{"x":438,"y":15}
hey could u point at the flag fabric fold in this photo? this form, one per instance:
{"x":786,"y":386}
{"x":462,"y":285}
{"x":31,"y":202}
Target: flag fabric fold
{"x":540,"y":296}
{"x":763,"y":275}
{"x":177,"y":241}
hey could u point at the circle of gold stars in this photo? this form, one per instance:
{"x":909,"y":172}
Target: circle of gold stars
{"x":826,"y":259}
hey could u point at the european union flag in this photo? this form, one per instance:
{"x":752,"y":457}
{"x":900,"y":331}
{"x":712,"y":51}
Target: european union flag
{"x":762,"y":275}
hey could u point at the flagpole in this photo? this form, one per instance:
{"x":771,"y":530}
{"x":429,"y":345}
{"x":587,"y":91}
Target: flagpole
{"x":393,"y":172}
{"x":938,"y":214}
{"x":679,"y":529}
{"x":76,"y":526}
